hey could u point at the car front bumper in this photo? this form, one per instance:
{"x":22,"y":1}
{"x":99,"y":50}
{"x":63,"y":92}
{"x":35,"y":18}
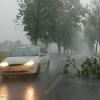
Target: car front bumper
{"x":17,"y":70}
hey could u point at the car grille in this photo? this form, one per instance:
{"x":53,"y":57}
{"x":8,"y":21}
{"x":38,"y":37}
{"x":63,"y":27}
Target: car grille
{"x":15,"y":65}
{"x":14,"y":71}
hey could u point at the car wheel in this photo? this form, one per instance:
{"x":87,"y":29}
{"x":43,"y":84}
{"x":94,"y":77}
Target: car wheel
{"x":38,"y":70}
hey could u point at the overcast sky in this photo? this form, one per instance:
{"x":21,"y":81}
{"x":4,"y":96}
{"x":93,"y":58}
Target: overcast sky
{"x":8,"y":11}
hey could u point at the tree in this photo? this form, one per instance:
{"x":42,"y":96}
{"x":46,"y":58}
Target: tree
{"x":29,"y":11}
{"x":67,"y":22}
{"x":38,"y":18}
{"x":50,"y":21}
{"x":90,"y":37}
{"x":93,"y":24}
{"x":47,"y":20}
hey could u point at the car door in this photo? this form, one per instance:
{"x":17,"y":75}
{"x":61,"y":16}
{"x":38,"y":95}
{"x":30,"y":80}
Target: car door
{"x":43,"y":56}
{"x":42,"y":59}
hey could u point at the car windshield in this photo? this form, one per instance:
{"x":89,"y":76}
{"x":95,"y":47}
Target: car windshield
{"x":25,"y":52}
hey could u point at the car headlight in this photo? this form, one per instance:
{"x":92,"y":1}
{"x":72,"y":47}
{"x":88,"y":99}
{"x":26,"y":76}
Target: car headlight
{"x":29,"y":63}
{"x":4,"y":64}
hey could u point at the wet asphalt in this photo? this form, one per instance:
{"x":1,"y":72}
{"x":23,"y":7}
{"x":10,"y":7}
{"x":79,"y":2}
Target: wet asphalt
{"x":50,"y":84}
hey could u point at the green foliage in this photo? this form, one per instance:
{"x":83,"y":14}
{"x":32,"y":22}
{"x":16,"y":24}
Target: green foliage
{"x":38,"y":18}
{"x":3,"y":55}
{"x":91,"y":66}
{"x":67,"y":23}
{"x":90,"y":35}
{"x":50,"y":20}
{"x":92,"y":27}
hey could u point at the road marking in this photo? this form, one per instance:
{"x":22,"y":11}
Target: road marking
{"x":54,"y":84}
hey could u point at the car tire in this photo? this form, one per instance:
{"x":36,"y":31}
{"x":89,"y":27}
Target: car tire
{"x":38,"y":70}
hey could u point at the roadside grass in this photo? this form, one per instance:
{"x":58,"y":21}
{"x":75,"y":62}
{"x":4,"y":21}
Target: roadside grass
{"x":3,"y":55}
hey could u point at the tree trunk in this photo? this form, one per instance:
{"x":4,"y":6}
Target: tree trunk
{"x":67,"y":52}
{"x":71,"y":51}
{"x":59,"y":48}
{"x":35,"y":42}
{"x":93,"y":50}
{"x":37,"y":22}
{"x":64,"y":52}
{"x":96,"y":48}
{"x":46,"y":44}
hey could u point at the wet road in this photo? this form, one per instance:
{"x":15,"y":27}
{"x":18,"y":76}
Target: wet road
{"x":51,"y":84}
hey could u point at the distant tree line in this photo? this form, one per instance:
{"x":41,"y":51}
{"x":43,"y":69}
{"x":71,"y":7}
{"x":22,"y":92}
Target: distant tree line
{"x":6,"y":46}
{"x":51,"y":21}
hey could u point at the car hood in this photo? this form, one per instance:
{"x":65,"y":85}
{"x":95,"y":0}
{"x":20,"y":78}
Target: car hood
{"x":20,"y":60}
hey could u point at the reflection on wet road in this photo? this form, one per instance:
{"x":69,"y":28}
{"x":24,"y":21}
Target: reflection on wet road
{"x":18,"y":90}
{"x":50,"y":85}
{"x":29,"y":93}
{"x":4,"y":92}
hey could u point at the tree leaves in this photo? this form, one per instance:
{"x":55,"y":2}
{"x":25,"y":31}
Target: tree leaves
{"x":58,"y":18}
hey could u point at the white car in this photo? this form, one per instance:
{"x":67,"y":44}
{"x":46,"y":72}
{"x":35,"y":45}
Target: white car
{"x":27,"y":59}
